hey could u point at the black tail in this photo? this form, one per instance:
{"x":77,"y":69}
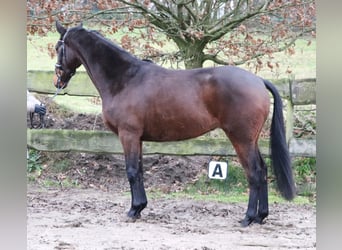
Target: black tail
{"x":280,"y":155}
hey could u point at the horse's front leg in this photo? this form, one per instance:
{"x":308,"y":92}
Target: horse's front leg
{"x":132,"y":146}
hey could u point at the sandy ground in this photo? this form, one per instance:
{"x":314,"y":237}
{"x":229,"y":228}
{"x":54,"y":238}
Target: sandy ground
{"x":95,"y":219}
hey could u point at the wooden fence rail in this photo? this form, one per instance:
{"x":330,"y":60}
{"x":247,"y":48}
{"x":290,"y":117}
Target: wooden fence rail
{"x":107,"y":142}
{"x":297,"y":92}
{"x":302,"y":91}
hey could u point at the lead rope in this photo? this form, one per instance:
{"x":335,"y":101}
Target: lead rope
{"x":41,"y":116}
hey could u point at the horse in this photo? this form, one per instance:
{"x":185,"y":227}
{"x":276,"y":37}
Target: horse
{"x":142,"y":101}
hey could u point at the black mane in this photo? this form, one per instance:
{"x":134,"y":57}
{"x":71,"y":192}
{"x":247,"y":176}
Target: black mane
{"x":116,"y":62}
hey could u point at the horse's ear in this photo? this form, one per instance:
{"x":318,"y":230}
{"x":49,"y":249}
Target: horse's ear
{"x":61,"y":30}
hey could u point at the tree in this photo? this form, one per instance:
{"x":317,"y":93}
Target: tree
{"x":225,"y":32}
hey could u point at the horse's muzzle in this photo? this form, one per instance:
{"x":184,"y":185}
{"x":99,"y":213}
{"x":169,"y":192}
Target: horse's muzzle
{"x":58,"y":83}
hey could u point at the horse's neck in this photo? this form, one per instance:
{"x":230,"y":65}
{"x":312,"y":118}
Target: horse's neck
{"x":107,"y":66}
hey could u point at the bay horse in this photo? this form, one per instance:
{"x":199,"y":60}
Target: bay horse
{"x":142,"y":101}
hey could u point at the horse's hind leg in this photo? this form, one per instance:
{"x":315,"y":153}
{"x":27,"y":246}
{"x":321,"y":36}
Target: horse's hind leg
{"x":256,"y":173}
{"x":263,"y":192}
{"x":132,"y":146}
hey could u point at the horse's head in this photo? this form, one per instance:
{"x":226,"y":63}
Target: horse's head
{"x":67,"y":60}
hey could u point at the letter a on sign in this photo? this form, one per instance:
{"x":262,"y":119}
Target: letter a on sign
{"x":218,"y":170}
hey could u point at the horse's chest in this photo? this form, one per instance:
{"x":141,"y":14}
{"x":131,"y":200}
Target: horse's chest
{"x":110,"y":122}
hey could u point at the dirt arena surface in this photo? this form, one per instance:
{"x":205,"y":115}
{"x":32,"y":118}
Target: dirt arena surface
{"x":96,"y":219}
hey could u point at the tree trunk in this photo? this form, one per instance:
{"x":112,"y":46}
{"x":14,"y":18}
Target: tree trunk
{"x":192,"y":53}
{"x":193,"y":59}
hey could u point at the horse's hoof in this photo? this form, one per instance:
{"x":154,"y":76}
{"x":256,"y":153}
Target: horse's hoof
{"x":135,"y":211}
{"x":128,"y":219}
{"x":131,"y":217}
{"x":246,"y":222}
{"x":259,"y":220}
{"x":133,"y":214}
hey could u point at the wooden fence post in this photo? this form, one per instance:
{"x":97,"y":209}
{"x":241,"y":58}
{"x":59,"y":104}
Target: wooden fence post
{"x":289,"y":112}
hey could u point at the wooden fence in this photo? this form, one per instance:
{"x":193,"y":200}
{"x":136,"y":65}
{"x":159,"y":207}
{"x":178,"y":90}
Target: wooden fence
{"x":297,"y":92}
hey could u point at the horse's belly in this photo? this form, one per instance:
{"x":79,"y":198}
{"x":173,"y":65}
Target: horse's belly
{"x":178,"y":129}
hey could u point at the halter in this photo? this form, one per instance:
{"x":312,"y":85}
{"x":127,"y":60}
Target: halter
{"x":58,"y":66}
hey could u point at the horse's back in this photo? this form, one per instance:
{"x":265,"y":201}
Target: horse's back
{"x":238,"y":79}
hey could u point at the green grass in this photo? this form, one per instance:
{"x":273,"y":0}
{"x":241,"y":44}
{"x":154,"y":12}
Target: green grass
{"x":65,"y":183}
{"x":79,"y":104}
{"x":38,"y":57}
{"x":224,"y":197}
{"x":235,"y":187}
{"x":34,"y":162}
{"x":302,"y":63}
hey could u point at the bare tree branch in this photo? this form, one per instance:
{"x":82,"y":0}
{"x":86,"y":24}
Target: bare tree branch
{"x":236,"y":30}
